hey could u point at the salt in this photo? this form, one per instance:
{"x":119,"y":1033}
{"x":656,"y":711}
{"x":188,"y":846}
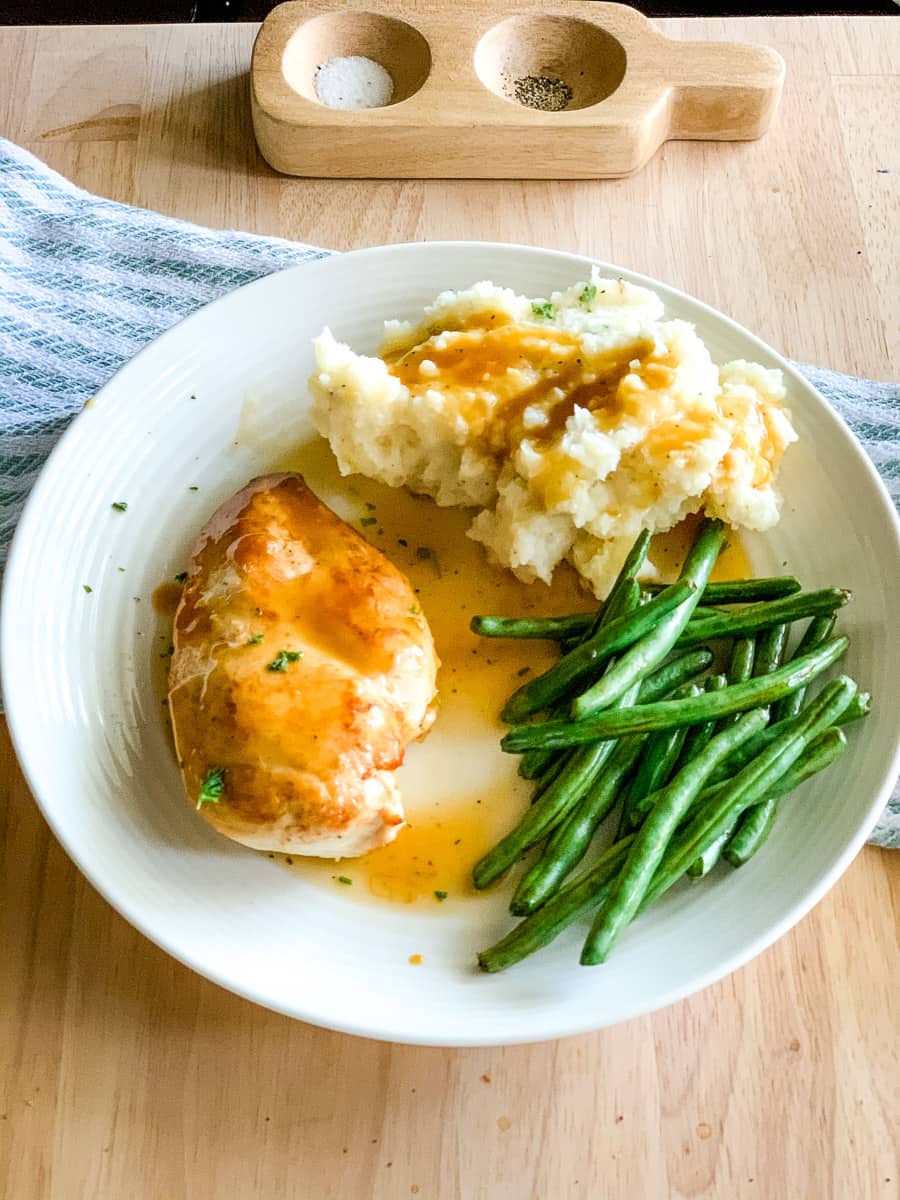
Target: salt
{"x":353,"y":81}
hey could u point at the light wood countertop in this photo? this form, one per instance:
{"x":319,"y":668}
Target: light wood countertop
{"x":127,"y":1077}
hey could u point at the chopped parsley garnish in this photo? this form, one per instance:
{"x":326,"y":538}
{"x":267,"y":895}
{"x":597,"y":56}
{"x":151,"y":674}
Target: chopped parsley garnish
{"x":87,"y":587}
{"x":366,"y":521}
{"x":120,"y":505}
{"x":345,"y":880}
{"x":402,"y":542}
{"x":255,"y":639}
{"x":426,"y":554}
{"x":523,"y":671}
{"x":414,"y":611}
{"x":440,"y":895}
{"x":282,"y":658}
{"x":181,"y":577}
{"x":370,"y":506}
{"x":212,"y":788}
{"x":588,"y":292}
{"x":193,"y":488}
{"x":543,"y":308}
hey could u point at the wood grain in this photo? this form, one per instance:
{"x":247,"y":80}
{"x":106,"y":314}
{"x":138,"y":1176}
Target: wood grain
{"x":452,"y":67}
{"x":123,"y":1074}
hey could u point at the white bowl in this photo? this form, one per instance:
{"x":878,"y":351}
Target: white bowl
{"x":218,"y":399}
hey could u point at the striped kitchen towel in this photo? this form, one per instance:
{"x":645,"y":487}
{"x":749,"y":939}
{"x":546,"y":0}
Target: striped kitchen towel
{"x":86,"y":282}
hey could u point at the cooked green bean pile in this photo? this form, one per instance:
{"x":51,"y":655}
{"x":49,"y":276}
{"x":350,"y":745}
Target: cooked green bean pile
{"x":693,"y":748}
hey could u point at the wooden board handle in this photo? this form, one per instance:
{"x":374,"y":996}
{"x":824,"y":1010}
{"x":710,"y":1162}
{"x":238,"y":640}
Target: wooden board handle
{"x":723,"y":91}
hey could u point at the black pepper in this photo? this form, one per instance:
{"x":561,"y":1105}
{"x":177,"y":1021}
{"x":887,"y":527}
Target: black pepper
{"x":543,"y":92}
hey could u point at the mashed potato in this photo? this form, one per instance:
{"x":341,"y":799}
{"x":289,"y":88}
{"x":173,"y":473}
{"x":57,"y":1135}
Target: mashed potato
{"x":570,"y":423}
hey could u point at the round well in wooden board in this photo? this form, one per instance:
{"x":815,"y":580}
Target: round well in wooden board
{"x":395,"y":45}
{"x":579,"y":54}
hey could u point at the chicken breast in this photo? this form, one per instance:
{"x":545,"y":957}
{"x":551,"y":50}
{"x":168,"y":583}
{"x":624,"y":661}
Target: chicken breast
{"x":302,"y":668}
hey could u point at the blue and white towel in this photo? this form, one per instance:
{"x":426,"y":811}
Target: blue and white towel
{"x":86,"y":282}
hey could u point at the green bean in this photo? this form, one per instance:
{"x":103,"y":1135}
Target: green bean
{"x":701,"y":611}
{"x":706,"y":610}
{"x":664,"y":681}
{"x":624,"y":821}
{"x":588,"y":814}
{"x":665,"y":755}
{"x":743,"y":655}
{"x":672,"y":674}
{"x":771,"y":644}
{"x":757,"y":822}
{"x":553,"y":770}
{"x":534,"y":763}
{"x":624,"y":595}
{"x":659,"y":758}
{"x":661,"y":752}
{"x":821,"y":752}
{"x":811,"y":761}
{"x":817,"y":631}
{"x":650,"y":651}
{"x":753,"y":617}
{"x":576,"y":898}
{"x":755,"y":826}
{"x":650,"y":843}
{"x":546,"y":813}
{"x":619,"y":634}
{"x":740,"y":591}
{"x":704,"y":863}
{"x":556,"y":629}
{"x":628,"y":815}
{"x":569,"y":630}
{"x":575,"y":625}
{"x":667,"y":714}
{"x":740,"y":669}
{"x":770,"y":647}
{"x":569,"y":842}
{"x":561,"y":792}
{"x":753,"y":784}
{"x":698,"y":736}
{"x":575,"y":779}
{"x":858,"y":708}
{"x":625,"y":598}
{"x":767,"y":656}
{"x":635,"y":558}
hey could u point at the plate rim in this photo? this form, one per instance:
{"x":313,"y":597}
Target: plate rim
{"x":586,"y":1024}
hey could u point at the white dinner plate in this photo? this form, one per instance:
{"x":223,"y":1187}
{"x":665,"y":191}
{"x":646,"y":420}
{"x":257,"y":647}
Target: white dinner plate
{"x":222,"y":397}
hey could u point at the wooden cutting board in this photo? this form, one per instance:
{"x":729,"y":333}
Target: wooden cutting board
{"x":457,"y":67}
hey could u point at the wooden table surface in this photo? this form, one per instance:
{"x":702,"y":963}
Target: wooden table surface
{"x":127,"y":1077}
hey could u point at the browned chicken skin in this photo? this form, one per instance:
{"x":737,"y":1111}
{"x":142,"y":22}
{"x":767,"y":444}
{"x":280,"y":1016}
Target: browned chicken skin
{"x":307,"y":741}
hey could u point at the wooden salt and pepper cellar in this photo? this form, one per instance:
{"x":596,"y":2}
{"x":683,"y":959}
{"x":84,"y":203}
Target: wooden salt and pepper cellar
{"x":457,"y":68}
